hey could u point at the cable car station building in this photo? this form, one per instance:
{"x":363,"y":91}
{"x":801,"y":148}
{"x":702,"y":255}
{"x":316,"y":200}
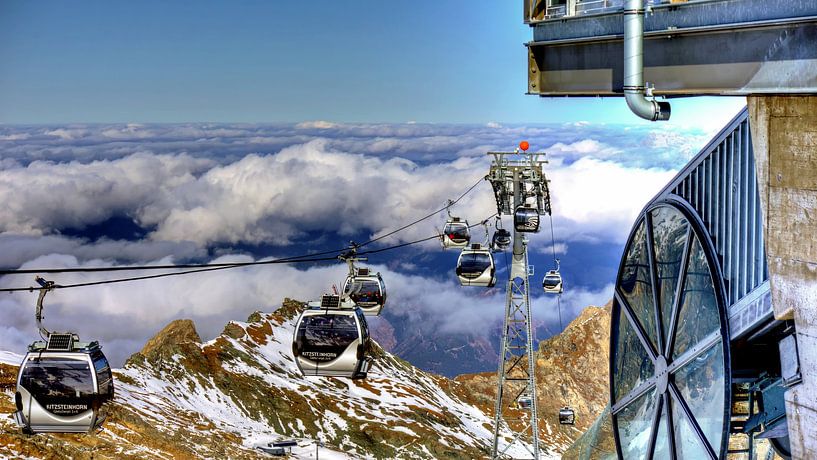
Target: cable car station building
{"x":714,"y":329}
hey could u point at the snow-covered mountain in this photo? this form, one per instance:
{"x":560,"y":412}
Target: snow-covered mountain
{"x":181,"y":398}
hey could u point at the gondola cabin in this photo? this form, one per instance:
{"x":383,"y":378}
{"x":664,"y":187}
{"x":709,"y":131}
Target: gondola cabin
{"x":367,"y":290}
{"x":524,"y":402}
{"x":332,"y":339}
{"x":475,"y":267}
{"x":501,"y":239}
{"x":552,"y":282}
{"x":456,"y":233}
{"x":567,"y":416}
{"x":526,"y":219}
{"x":61,"y":386}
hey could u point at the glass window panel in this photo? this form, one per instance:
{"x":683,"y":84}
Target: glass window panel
{"x":701,"y":383}
{"x":634,"y":424}
{"x":103,"y":373}
{"x":457,"y":231}
{"x":687,"y":444}
{"x":632,"y":365}
{"x":475,"y":262}
{"x":63,"y":386}
{"x":366,"y":292}
{"x":635,"y":282}
{"x":662,"y":438}
{"x":325,"y":337}
{"x":597,"y":443}
{"x":552,"y":281}
{"x":669,"y":236}
{"x":58,"y":377}
{"x":698,"y":316}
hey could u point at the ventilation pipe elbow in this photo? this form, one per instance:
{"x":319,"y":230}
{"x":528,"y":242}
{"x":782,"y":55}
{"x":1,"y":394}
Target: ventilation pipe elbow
{"x":635,"y":91}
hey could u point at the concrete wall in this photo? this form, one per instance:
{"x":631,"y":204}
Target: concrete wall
{"x":784,"y":135}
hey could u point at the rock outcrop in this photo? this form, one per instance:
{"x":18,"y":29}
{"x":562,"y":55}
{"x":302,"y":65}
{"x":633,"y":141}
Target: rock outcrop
{"x":571,"y":369}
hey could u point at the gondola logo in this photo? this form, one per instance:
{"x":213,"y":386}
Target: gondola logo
{"x":532,"y":223}
{"x":320,"y":356}
{"x":66,"y":408}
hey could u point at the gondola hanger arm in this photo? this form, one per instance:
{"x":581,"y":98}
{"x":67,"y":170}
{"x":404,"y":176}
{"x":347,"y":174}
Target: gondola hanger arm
{"x":46,"y":287}
{"x":448,"y":205}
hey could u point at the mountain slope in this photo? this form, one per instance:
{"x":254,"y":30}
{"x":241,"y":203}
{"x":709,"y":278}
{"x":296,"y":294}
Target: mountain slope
{"x":179,"y":397}
{"x":571,"y":369}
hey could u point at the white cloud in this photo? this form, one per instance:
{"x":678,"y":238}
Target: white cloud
{"x":46,"y":196}
{"x":67,"y":133}
{"x":595,"y":200}
{"x":257,"y":199}
{"x":317,"y":124}
{"x":558,"y":248}
{"x":309,"y":187}
{"x":17,"y":249}
{"x":573,"y":301}
{"x":443,"y":306}
{"x":129,"y":131}
{"x":15,"y":137}
{"x":582,"y":148}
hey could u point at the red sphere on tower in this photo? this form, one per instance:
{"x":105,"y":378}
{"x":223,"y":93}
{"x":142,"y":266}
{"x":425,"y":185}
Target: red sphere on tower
{"x":524,"y":145}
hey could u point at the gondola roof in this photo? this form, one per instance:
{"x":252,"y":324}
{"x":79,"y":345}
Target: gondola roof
{"x":75,"y":346}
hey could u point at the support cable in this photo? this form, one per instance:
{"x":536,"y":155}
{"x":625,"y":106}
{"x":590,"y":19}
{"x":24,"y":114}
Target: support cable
{"x":447,"y":206}
{"x":226,"y":266}
{"x":555,"y":260}
{"x":307,"y":257}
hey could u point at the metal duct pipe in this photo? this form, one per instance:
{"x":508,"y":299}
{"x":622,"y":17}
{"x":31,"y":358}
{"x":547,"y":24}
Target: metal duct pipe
{"x":634,"y":89}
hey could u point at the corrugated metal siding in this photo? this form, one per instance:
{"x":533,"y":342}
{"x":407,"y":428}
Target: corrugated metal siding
{"x":721,"y":185}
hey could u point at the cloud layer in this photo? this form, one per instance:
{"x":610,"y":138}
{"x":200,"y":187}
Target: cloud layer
{"x":274,"y":198}
{"x":196,"y":191}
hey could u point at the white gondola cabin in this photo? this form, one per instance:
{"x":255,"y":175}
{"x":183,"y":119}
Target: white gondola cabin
{"x":524,"y":401}
{"x":526,"y":219}
{"x":567,"y":416}
{"x":367,"y":290}
{"x":332,"y":339}
{"x":552,"y":282}
{"x":62,"y":385}
{"x":501,"y":239}
{"x":456,"y":233}
{"x":475,"y":267}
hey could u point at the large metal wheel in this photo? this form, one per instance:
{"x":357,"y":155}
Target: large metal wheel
{"x":669,"y":354}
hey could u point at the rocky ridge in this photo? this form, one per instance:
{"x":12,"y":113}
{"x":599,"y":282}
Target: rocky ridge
{"x":181,"y":398}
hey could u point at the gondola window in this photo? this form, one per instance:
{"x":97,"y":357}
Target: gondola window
{"x":326,"y":337}
{"x":63,"y":386}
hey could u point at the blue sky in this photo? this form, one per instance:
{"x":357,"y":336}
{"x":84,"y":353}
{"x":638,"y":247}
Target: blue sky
{"x":268,"y":61}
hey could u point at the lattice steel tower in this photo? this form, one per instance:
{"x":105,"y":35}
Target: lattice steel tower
{"x":518,"y":183}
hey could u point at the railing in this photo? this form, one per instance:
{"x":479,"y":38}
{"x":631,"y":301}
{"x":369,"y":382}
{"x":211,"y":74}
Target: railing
{"x":558,"y":11}
{"x":598,"y":6}
{"x":539,"y":10}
